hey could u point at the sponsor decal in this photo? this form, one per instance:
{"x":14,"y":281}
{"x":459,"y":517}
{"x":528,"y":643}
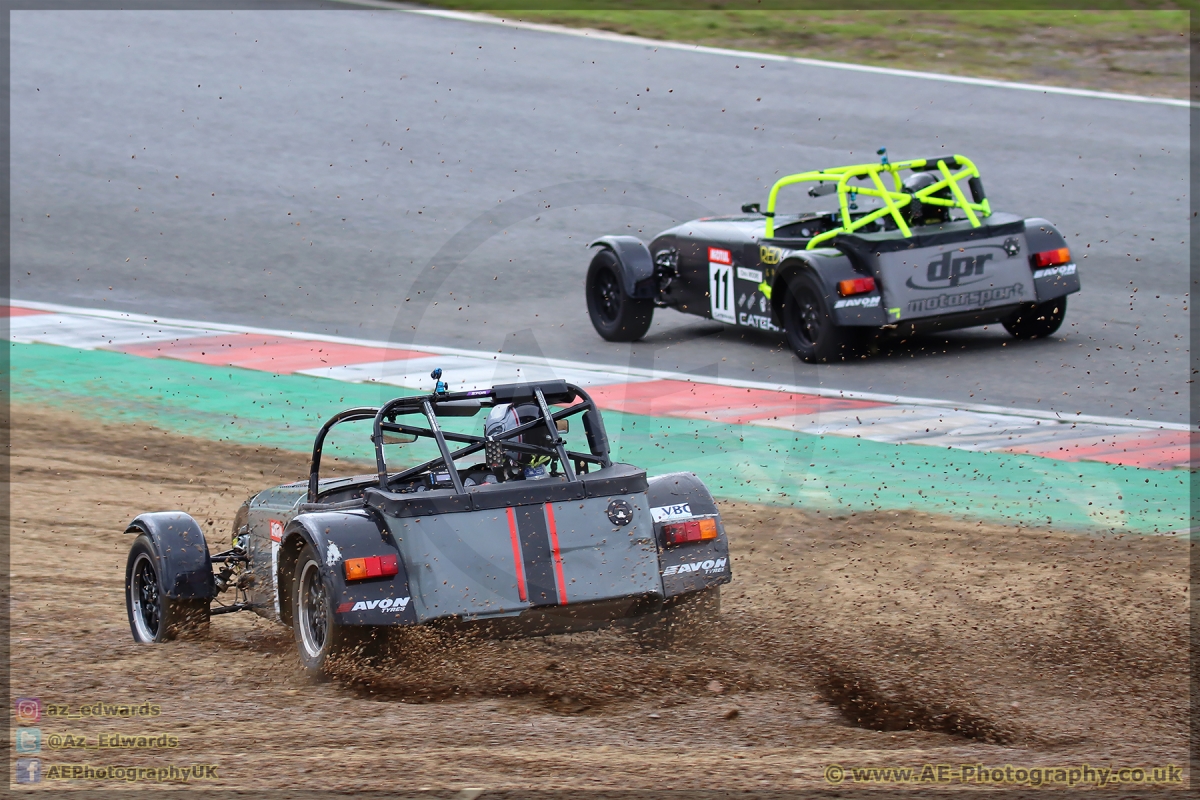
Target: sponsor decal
{"x":769,"y":255}
{"x":391,"y":604}
{"x":276,"y":538}
{"x":707,"y":567}
{"x":332,"y":555}
{"x":749,"y":301}
{"x":1054,"y":272}
{"x":668,"y":513}
{"x":754,"y":275}
{"x":977,"y":299}
{"x":763,"y":323}
{"x":720,"y":290}
{"x":952,"y":270}
{"x":850,"y":302}
{"x":719,"y":256}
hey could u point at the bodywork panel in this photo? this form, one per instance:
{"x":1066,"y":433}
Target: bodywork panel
{"x":953,"y":269}
{"x":501,"y":561}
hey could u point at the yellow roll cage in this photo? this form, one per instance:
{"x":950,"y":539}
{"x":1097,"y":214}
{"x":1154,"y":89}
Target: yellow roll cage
{"x":893,"y":199}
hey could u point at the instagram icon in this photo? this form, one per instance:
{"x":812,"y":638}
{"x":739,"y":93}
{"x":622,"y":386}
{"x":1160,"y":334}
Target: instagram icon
{"x":29,"y":710}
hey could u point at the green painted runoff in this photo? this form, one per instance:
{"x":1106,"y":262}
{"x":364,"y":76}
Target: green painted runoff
{"x":738,"y":462}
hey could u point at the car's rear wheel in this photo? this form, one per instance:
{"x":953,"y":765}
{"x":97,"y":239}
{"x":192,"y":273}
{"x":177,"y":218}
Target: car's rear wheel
{"x":615,"y":315}
{"x":1034,"y":321}
{"x":809,"y":324}
{"x":154,"y":617}
{"x":322,"y":642}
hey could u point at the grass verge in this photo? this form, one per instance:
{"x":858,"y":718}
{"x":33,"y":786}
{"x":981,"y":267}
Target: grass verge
{"x":1141,"y":50}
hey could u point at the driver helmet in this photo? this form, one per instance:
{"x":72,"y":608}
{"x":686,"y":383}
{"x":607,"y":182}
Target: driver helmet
{"x":506,"y":416}
{"x":920,"y":213}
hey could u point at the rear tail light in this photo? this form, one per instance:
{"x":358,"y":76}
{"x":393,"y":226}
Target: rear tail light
{"x":856,"y":286}
{"x":694,"y":530}
{"x":1052,"y":258}
{"x":359,"y":569}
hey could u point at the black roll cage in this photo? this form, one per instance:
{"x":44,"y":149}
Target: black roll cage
{"x":468,"y":404}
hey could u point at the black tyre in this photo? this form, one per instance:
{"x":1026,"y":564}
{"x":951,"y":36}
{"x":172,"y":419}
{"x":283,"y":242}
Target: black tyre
{"x":322,"y":642}
{"x":615,"y":315}
{"x":1035,"y":320}
{"x":154,"y":617}
{"x":809,"y":324}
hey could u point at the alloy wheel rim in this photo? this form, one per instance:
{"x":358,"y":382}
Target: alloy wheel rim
{"x":314,"y":611}
{"x":607,"y":295}
{"x":144,"y":595}
{"x":808,"y":317}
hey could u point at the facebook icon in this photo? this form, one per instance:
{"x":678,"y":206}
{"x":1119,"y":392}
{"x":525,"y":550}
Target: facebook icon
{"x":29,"y":770}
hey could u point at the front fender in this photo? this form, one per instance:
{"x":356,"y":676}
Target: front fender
{"x":337,"y":536}
{"x":637,"y":265}
{"x":184,"y":566}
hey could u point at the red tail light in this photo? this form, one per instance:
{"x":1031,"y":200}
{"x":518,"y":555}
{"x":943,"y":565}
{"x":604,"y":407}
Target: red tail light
{"x":1052,"y":258}
{"x":856,"y":286}
{"x":360,"y":569}
{"x":694,"y":530}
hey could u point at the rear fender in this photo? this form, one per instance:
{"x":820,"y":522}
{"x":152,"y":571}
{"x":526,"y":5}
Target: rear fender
{"x":1051,"y":282}
{"x":684,"y":568}
{"x":183,"y":563}
{"x":635,"y":264}
{"x":829,"y":267}
{"x":337,"y":536}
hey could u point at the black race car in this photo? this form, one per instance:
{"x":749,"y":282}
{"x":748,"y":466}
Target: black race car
{"x":509,"y":534}
{"x":912,"y":246}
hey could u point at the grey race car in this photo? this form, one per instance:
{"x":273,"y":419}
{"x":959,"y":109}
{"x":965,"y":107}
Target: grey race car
{"x":530,"y":539}
{"x":925,"y":252}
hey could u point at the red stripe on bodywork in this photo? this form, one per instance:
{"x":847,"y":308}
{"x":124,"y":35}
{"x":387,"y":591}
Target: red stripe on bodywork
{"x":516,"y":547}
{"x":17,"y":311}
{"x":266,"y":353}
{"x":728,"y":404}
{"x":558,"y":569}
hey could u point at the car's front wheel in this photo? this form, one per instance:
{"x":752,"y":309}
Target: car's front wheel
{"x":1034,"y":321}
{"x":154,"y":617}
{"x":322,"y":642}
{"x":809,"y":324}
{"x":615,"y":315}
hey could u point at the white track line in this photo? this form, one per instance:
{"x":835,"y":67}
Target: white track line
{"x":628,"y":373}
{"x":608,"y":36}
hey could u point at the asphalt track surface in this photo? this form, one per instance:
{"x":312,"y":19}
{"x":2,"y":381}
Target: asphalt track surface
{"x":381,"y":174}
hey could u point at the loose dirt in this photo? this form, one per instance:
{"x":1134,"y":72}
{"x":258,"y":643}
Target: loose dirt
{"x":869,"y":640}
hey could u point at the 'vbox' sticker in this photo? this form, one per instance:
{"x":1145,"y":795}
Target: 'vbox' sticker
{"x":668,"y":513}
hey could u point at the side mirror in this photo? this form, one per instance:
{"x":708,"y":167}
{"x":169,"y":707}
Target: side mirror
{"x":822,"y":190}
{"x":563,"y":425}
{"x":751,"y":208}
{"x":399,"y":438}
